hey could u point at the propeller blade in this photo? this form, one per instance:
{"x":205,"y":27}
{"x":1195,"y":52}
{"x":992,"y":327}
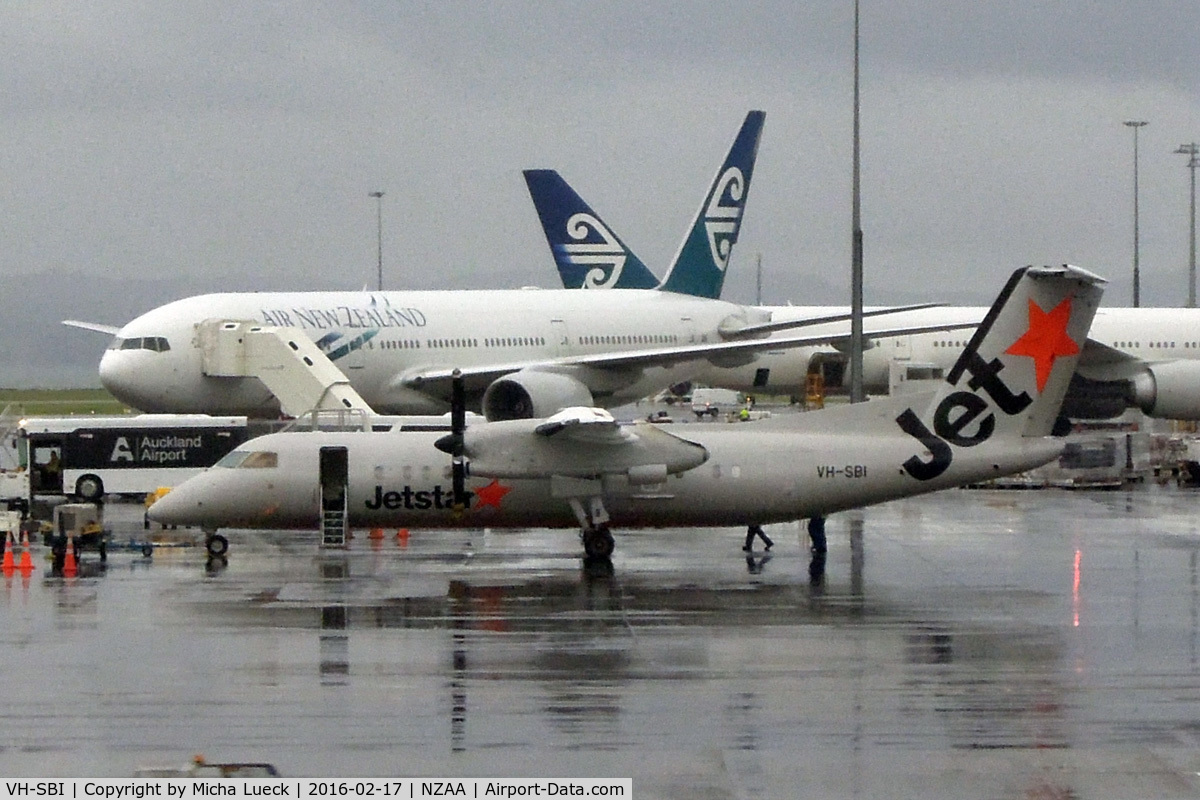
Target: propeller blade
{"x":458,"y":424}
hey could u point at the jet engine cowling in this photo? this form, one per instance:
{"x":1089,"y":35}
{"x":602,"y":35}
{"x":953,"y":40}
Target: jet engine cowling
{"x":529,"y":394}
{"x":1169,"y":390}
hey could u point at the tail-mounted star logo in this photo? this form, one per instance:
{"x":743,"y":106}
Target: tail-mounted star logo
{"x":491,"y":494}
{"x":1046,"y":339}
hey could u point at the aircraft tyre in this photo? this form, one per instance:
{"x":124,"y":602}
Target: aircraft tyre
{"x":598,"y":542}
{"x":217,"y":545}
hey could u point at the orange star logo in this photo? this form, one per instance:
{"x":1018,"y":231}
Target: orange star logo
{"x":491,"y":494}
{"x":1046,"y":339}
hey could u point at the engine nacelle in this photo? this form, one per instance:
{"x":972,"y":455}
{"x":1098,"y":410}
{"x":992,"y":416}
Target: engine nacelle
{"x":532,"y":394}
{"x":1168,"y":391}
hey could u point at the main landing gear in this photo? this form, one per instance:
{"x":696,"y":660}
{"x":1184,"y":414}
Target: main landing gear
{"x":597,"y":539}
{"x":598,"y":542}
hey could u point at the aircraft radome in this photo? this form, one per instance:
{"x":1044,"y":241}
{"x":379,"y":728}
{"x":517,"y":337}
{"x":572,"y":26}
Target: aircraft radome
{"x":993,"y":415}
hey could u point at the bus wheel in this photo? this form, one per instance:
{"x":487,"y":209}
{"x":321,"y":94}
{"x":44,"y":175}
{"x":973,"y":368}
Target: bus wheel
{"x":90,"y":488}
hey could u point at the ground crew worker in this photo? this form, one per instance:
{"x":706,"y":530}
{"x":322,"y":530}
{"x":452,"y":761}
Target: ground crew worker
{"x":751,"y":532}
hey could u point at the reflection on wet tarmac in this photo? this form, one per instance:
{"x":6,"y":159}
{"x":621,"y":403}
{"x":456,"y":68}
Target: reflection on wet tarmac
{"x":996,"y":651}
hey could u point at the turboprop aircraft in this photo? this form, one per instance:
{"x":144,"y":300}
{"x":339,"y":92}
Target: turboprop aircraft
{"x":1144,"y":358}
{"x":992,"y":416}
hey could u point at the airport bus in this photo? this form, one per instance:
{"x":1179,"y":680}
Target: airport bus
{"x":90,"y":457}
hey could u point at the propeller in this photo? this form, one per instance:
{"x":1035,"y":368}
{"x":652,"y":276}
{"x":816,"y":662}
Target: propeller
{"x":458,"y":424}
{"x":453,"y":443}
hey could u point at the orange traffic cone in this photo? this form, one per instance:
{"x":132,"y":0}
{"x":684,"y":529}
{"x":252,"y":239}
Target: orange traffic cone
{"x":376,"y":533}
{"x":70,"y":568}
{"x":26,"y":565}
{"x":8,"y":565}
{"x":402,"y":537}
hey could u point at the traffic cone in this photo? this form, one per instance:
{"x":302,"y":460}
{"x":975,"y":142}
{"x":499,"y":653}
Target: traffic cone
{"x":376,"y":533}
{"x":402,"y":537}
{"x":70,"y":568}
{"x":26,"y":565}
{"x":8,"y":565}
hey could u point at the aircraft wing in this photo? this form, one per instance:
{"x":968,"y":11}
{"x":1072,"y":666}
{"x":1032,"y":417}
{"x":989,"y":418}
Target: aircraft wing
{"x":1099,"y":362}
{"x":788,"y":324}
{"x":433,"y":379}
{"x":578,"y":443}
{"x":111,"y":330}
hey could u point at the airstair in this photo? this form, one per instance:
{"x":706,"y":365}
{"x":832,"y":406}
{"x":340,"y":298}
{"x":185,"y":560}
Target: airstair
{"x":288,"y":362}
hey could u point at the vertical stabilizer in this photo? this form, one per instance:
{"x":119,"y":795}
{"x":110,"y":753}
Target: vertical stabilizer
{"x":586,"y":251}
{"x":700,"y":263}
{"x":1012,"y":376}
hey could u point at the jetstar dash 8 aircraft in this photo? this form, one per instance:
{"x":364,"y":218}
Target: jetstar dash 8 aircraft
{"x":992,"y":416}
{"x":1144,"y":358}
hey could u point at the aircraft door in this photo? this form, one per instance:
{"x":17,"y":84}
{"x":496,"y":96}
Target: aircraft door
{"x":562,"y":337}
{"x":687,"y":328}
{"x":335,"y":486}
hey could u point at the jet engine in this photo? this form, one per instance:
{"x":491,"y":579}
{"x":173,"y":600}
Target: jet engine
{"x":533,"y":393}
{"x":1169,"y":391}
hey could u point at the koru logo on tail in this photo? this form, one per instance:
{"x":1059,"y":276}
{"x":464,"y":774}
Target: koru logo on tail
{"x":724,"y":214}
{"x":605,"y":253}
{"x":964,"y":418}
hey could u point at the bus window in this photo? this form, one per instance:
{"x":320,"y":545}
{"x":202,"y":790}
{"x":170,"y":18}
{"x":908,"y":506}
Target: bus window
{"x":45,"y":475}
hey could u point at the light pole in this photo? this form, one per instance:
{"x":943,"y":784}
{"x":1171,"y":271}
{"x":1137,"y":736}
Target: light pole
{"x":1192,"y":150}
{"x":857,"y":395}
{"x":1137,"y":276}
{"x":379,"y":233}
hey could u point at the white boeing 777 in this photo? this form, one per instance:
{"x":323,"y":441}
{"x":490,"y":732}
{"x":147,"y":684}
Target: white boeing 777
{"x":523,"y":353}
{"x":992,"y":416}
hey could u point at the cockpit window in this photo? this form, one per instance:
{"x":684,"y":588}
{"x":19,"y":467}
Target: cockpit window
{"x":157,"y":344}
{"x":263,"y":459}
{"x":232,"y":459}
{"x":243,"y":459}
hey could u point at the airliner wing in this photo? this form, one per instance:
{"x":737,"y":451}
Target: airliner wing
{"x":787,"y":324}
{"x":111,"y":330}
{"x":478,"y":377}
{"x":1099,"y":362}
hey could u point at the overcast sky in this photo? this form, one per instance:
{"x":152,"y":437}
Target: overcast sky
{"x":157,"y":149}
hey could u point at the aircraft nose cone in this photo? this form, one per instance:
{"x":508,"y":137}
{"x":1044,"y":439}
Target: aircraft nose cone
{"x":176,"y":507}
{"x":120,"y":379}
